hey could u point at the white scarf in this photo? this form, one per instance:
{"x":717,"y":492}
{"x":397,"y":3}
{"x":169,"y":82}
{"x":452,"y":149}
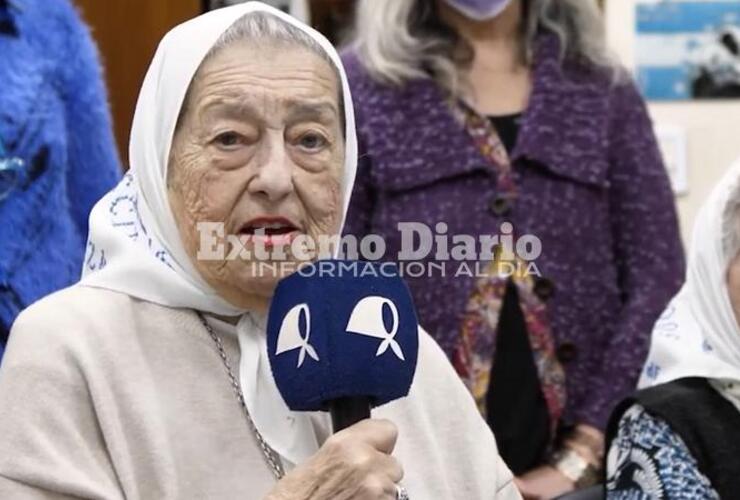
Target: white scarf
{"x":135,"y":247}
{"x":697,"y":335}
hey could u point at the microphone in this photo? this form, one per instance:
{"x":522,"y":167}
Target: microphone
{"x":342,"y":336}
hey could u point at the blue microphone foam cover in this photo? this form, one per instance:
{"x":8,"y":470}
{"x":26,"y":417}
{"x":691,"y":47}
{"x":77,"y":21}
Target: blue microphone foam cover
{"x":342,"y":329}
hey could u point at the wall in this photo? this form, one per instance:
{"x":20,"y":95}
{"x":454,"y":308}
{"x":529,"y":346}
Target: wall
{"x":127,"y":33}
{"x":713,"y":128}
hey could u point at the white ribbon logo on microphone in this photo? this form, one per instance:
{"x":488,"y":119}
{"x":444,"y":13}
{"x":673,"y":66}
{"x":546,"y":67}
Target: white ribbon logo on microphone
{"x":367,"y":319}
{"x":290,"y":337}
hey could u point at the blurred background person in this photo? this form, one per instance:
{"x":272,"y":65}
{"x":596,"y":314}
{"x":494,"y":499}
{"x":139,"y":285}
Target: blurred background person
{"x":478,"y":113}
{"x":679,"y":437}
{"x":57,"y":154}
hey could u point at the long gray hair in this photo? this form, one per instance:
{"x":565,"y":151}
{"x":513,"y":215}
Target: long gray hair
{"x":400,"y":40}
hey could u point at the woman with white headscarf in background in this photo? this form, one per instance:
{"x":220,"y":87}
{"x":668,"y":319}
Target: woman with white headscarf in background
{"x":679,"y":436}
{"x":117,"y":387}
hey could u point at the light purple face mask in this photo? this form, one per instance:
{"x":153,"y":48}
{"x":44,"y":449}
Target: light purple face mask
{"x":479,"y":10}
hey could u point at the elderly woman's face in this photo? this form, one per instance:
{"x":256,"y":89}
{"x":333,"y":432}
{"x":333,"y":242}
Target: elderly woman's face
{"x":259,"y":149}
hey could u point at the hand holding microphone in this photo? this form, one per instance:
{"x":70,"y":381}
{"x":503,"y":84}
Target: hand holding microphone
{"x":355,"y":463}
{"x":343,"y":337}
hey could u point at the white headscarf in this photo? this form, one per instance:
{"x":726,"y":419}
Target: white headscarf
{"x":135,"y":247}
{"x":698,"y":335}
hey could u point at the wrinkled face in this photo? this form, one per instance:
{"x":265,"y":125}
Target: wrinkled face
{"x":256,"y":162}
{"x":733,"y":285}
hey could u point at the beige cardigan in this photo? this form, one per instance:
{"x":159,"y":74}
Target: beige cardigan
{"x":107,"y":397}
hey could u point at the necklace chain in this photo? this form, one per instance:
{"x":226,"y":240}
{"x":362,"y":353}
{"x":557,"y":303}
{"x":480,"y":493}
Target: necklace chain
{"x":272,"y":458}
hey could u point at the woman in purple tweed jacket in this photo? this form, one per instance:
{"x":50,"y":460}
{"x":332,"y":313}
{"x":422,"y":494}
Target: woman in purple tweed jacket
{"x":508,"y":116}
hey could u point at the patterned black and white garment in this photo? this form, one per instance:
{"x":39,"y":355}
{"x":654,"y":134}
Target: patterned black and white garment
{"x":649,"y":461}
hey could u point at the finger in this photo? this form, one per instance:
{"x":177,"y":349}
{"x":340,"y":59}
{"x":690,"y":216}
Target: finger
{"x":381,"y":434}
{"x":375,"y":487}
{"x":390,"y":493}
{"x":391,"y":468}
{"x":524,"y":489}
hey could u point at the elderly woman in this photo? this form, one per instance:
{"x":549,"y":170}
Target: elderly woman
{"x":126,"y":384}
{"x":679,"y":436}
{"x":501,"y":117}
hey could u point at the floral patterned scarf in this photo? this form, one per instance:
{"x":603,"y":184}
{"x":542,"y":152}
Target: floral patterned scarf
{"x":474,"y":356}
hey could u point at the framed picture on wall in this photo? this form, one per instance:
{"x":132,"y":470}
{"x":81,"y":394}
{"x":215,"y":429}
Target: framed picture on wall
{"x":688,"y":49}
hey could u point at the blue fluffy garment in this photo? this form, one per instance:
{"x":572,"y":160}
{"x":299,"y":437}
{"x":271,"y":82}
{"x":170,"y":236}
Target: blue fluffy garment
{"x":53,"y":115}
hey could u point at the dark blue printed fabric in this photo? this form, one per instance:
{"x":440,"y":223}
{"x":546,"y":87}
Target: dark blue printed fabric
{"x":648,"y":461}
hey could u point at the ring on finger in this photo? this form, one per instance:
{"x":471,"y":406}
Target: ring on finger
{"x":401,"y":493}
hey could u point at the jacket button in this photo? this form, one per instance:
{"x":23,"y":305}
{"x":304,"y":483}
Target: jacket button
{"x":544,"y":288}
{"x":567,"y":352}
{"x":500,"y":205}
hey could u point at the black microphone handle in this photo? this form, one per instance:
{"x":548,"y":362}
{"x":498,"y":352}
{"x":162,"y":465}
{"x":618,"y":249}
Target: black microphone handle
{"x":346,"y":412}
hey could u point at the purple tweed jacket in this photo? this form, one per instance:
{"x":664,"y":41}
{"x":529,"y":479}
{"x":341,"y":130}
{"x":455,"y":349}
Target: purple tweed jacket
{"x":592,"y":187}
